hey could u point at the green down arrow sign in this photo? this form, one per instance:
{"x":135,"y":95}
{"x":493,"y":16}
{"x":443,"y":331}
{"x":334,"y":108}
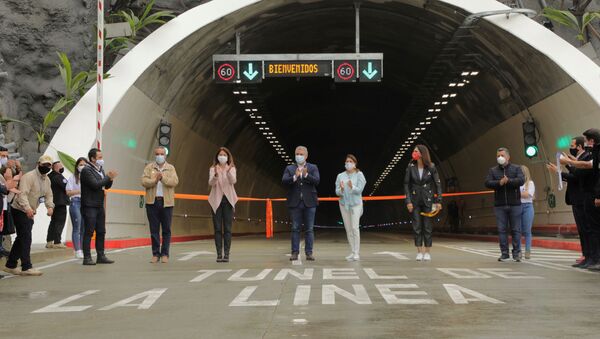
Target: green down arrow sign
{"x":370,"y":70}
{"x":251,"y":71}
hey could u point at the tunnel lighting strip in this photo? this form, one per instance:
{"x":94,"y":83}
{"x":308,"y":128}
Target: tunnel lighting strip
{"x":431,"y":116}
{"x":249,"y":106}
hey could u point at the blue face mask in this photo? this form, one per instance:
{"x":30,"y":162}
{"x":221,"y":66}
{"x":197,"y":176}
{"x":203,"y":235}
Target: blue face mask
{"x":160,"y":159}
{"x":299,"y":159}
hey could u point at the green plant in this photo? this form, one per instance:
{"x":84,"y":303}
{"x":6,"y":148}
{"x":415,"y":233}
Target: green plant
{"x":566,"y":18}
{"x":74,"y":85}
{"x":137,"y":23}
{"x":67,"y":161}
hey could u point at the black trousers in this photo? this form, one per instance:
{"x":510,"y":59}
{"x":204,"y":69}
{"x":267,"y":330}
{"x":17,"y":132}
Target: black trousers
{"x":592,"y":218}
{"x":582,"y":229}
{"x":57,"y":224}
{"x":422,"y":226}
{"x":93,"y":221}
{"x":159,"y":215}
{"x":21,"y":248}
{"x":223,"y":221}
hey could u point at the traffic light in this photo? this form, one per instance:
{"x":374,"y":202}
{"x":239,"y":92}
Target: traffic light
{"x":164,"y":135}
{"x":530,"y":139}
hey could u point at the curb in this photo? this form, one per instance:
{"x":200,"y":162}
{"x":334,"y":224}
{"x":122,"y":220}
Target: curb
{"x":544,"y":243}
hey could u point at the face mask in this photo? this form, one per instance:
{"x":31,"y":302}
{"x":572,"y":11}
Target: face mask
{"x":100,"y":162}
{"x":573,"y":151}
{"x":588,"y":148}
{"x":501,"y":161}
{"x":222,"y":159}
{"x":299,"y":159}
{"x":61,"y":171}
{"x":160,"y":159}
{"x":350,"y":166}
{"x":43,"y":169}
{"x":416,"y":156}
{"x":3,"y":161}
{"x":80,"y":168}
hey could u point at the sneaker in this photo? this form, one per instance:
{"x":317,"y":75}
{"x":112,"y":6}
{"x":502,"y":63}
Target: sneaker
{"x":309,"y":257}
{"x":294,"y":257}
{"x":59,"y":246}
{"x":31,"y":272}
{"x":527,"y":254}
{"x":13,"y":271}
{"x":50,"y":244}
{"x":517,"y":259}
{"x":79,"y":254}
{"x":420,"y":256}
{"x":504,"y":258}
{"x":350,"y":256}
{"x":427,"y":257}
{"x":225,"y":258}
{"x":356,"y":257}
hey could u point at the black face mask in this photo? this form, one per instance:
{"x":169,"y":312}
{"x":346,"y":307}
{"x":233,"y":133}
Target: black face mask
{"x":43,"y":169}
{"x":61,"y":171}
{"x":573,"y":151}
{"x":588,"y":148}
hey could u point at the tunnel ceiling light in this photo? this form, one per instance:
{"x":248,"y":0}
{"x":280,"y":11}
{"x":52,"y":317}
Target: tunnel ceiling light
{"x":474,"y":73}
{"x":248,"y":110}
{"x":257,"y":122}
{"x":244,"y":92}
{"x":236,"y":92}
{"x":438,"y":110}
{"x":434,"y":117}
{"x":422,"y":123}
{"x":452,"y":84}
{"x":263,"y":122}
{"x":428,"y":123}
{"x":254,"y":110}
{"x":444,"y":102}
{"x":453,"y":95}
{"x":461,"y":84}
{"x":445,"y":96}
{"x":270,"y":133}
{"x":430,"y":110}
{"x":437,"y":103}
{"x":249,"y":101}
{"x":428,"y":118}
{"x":267,"y":128}
{"x":464,"y":74}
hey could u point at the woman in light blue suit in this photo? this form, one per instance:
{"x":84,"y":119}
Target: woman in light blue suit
{"x":349,"y":186}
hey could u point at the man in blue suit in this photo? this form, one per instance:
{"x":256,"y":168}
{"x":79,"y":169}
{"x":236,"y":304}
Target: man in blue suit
{"x":302,"y":180}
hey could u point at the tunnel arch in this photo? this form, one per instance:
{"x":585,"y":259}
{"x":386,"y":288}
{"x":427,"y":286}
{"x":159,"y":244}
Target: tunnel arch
{"x":169,"y":75}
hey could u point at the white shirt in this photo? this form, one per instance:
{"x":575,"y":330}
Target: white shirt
{"x":73,"y":186}
{"x":159,"y":184}
{"x":530,"y":190}
{"x":421,"y":173}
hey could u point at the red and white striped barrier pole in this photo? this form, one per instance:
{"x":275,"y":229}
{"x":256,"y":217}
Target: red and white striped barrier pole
{"x":100,"y":74}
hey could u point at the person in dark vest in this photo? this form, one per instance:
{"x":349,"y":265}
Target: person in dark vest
{"x":58,"y":183}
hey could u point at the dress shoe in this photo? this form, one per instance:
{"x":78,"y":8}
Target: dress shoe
{"x":154,"y":260}
{"x":226,"y":258}
{"x":294,"y":257}
{"x":219,"y":258}
{"x":13,"y":271}
{"x":587,"y":264}
{"x":164,"y":259}
{"x":88,"y":261}
{"x":102,"y":259}
{"x":310,"y":257}
{"x":32,"y":272}
{"x":595,"y":267}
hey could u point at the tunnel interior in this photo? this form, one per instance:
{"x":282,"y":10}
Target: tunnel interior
{"x":425,"y":49}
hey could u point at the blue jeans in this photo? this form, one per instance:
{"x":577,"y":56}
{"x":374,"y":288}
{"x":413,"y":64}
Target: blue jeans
{"x":527,"y":223}
{"x":75,"y":213}
{"x":303,"y":215}
{"x":504,"y":216}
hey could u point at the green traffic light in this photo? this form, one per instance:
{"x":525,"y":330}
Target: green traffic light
{"x":531,"y":151}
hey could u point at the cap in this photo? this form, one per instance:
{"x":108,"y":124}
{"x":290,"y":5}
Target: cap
{"x":45,"y":159}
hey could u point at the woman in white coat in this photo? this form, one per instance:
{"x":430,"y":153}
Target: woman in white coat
{"x":349,"y":186}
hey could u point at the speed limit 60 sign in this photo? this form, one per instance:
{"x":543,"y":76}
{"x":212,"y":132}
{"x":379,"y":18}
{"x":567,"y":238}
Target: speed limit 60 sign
{"x":344,"y":70}
{"x":226,"y":71}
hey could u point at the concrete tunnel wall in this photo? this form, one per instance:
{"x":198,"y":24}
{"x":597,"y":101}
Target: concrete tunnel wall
{"x":131,"y":113}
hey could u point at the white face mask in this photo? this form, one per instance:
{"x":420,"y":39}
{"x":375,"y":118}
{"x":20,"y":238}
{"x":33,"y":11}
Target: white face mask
{"x":350,"y":166}
{"x":3,"y":161}
{"x":222,"y":159}
{"x":100,"y":162}
{"x":160,"y":159}
{"x":300,"y":159}
{"x":80,"y":168}
{"x":501,"y":160}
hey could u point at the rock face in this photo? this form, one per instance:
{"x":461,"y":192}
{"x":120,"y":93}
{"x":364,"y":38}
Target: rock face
{"x":32,"y":31}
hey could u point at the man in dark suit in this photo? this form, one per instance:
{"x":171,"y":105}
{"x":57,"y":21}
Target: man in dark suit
{"x":93,"y":182}
{"x":302,"y":180}
{"x":575,"y":194}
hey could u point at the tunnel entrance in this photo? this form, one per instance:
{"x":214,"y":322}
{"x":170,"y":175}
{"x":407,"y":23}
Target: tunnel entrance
{"x":522,"y":71}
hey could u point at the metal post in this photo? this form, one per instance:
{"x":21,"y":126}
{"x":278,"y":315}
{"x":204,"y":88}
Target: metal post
{"x":99,"y":74}
{"x":357,"y":11}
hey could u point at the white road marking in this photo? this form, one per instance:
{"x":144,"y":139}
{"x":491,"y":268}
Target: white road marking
{"x":190,"y":255}
{"x":397,"y":255}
